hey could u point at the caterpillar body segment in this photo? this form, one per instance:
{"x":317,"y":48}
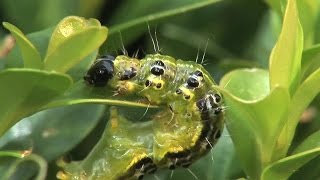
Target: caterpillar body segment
{"x":123,"y":152}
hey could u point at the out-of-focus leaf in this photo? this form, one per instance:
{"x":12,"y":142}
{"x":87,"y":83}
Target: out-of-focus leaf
{"x":2,"y":62}
{"x":310,"y":60}
{"x":265,"y":38}
{"x":285,"y":58}
{"x":24,"y":91}
{"x":90,"y":8}
{"x":310,"y":143}
{"x":304,"y":95}
{"x":48,"y":133}
{"x":42,"y":165}
{"x":134,"y":24}
{"x":39,"y":39}
{"x":308,"y":171}
{"x":308,"y":14}
{"x":285,"y":167}
{"x":78,"y":71}
{"x":30,"y":54}
{"x":178,"y":33}
{"x":73,"y":39}
{"x":277,"y":5}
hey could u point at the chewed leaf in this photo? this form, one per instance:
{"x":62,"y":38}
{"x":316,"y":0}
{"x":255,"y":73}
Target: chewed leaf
{"x":30,"y":54}
{"x":24,"y":91}
{"x":285,"y":167}
{"x":285,"y":58}
{"x":73,"y":39}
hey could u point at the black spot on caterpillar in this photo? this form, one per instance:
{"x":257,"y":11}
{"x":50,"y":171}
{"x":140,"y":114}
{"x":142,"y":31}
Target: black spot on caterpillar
{"x":185,"y":130}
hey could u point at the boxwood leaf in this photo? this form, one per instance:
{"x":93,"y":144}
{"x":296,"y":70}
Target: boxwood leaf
{"x":29,"y":53}
{"x":24,"y":91}
{"x":304,"y":95}
{"x":73,"y":39}
{"x":311,"y":142}
{"x":255,"y":118}
{"x":283,"y":168}
{"x":310,"y":60}
{"x":285,"y":58}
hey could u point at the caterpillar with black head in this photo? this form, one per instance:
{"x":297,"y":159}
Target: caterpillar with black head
{"x":188,"y":127}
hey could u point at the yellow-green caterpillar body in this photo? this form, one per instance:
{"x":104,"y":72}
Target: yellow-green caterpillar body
{"x":186,"y":129}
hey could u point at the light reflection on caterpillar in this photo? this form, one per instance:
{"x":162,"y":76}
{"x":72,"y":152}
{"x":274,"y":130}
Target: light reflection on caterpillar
{"x":187,"y":128}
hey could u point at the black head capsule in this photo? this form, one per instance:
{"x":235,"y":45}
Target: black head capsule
{"x":100,"y":72}
{"x":128,"y":74}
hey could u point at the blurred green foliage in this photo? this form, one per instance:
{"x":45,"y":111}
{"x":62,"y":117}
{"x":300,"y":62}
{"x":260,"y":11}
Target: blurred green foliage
{"x":239,"y":34}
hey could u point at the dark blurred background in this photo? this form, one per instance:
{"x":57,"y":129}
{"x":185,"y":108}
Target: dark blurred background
{"x":231,"y":28}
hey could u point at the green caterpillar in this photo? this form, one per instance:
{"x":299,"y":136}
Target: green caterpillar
{"x":187,"y":128}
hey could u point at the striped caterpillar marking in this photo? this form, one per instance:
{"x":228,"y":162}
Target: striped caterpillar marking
{"x":187,"y":128}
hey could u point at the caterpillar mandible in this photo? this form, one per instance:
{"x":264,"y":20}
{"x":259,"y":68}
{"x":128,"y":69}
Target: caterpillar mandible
{"x":188,"y":127}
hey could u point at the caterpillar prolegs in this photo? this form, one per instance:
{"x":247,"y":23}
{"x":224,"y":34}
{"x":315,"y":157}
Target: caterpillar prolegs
{"x":186,"y":129}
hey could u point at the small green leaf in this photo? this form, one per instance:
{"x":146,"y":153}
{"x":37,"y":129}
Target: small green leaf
{"x":285,"y":58}
{"x":29,"y":53}
{"x":308,"y":14}
{"x":255,"y":117}
{"x":24,"y":91}
{"x":40,"y":40}
{"x":73,"y":39}
{"x":67,"y":27}
{"x":285,"y":167}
